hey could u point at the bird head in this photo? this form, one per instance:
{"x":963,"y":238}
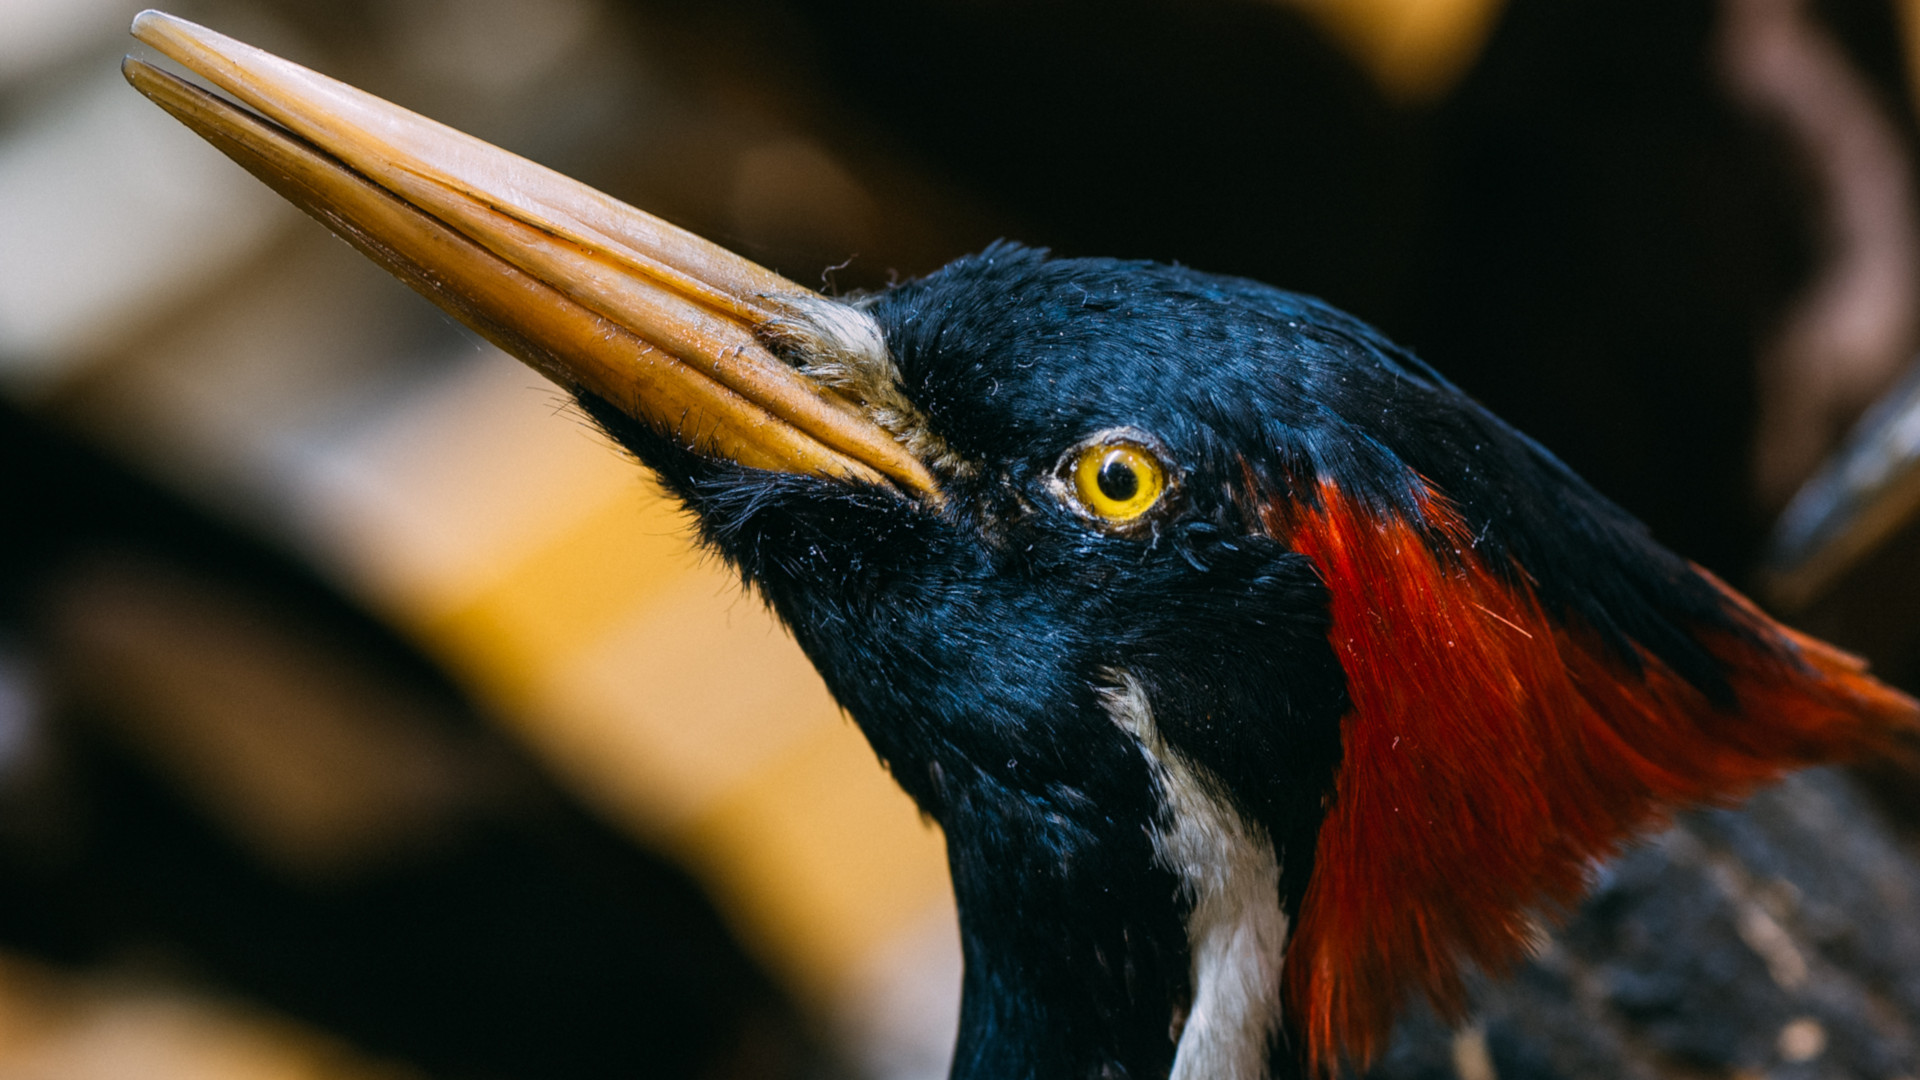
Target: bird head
{"x":1261,"y":681}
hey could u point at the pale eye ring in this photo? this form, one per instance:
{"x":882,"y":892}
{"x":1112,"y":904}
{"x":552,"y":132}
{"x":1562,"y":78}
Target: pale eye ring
{"x":1115,"y":478}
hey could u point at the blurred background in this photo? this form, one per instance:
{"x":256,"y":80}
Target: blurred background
{"x":363,"y":714}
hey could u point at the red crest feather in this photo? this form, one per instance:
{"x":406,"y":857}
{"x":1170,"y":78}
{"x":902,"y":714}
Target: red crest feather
{"x":1493,"y":753}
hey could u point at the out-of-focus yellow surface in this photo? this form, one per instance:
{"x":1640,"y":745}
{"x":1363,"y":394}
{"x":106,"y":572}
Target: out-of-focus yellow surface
{"x":56,"y":1027}
{"x":1415,"y":49}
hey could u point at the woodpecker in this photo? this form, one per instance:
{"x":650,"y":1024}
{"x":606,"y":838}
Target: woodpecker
{"x":1263,"y":683}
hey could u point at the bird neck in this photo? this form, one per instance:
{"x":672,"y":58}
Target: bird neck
{"x":1118,"y":805}
{"x":1116,"y":938}
{"x":1076,"y":953}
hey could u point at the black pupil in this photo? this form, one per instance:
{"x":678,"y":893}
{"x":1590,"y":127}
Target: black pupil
{"x":1117,"y":479}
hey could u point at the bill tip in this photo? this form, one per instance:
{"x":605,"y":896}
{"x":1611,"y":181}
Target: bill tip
{"x":152,"y":26}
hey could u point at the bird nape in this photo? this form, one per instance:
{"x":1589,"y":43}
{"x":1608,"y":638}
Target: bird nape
{"x":1262,"y":682}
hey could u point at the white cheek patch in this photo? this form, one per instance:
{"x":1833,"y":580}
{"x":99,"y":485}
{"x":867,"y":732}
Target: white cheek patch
{"x":1236,"y":933}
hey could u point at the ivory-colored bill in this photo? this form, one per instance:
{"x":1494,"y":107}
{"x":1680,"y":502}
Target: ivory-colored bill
{"x":593,"y":293}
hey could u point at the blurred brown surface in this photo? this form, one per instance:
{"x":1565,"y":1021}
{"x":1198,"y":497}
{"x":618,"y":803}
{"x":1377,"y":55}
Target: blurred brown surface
{"x":290,"y":745}
{"x":1845,"y":337}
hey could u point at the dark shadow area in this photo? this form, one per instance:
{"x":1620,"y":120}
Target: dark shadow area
{"x":174,"y":685}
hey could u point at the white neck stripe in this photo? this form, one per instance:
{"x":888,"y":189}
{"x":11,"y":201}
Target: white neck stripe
{"x":1236,"y":932}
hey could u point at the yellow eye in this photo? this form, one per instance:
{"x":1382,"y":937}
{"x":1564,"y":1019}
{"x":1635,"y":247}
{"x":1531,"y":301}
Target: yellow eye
{"x":1118,"y":481}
